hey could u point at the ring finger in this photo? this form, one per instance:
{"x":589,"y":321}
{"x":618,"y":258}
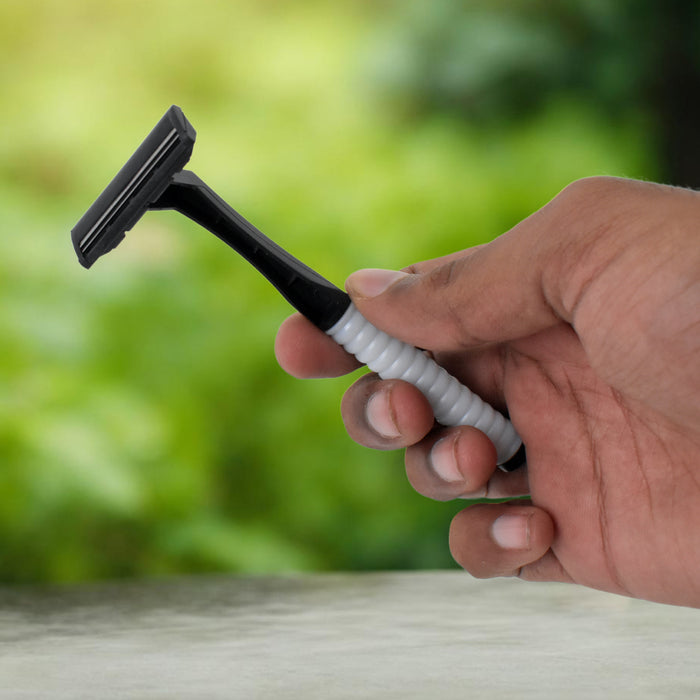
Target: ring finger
{"x":460,"y":462}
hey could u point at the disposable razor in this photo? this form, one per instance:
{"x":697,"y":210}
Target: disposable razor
{"x":153,"y":178}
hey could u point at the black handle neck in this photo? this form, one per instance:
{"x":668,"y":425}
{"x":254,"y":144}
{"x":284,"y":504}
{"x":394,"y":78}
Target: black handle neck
{"x":314,"y":296}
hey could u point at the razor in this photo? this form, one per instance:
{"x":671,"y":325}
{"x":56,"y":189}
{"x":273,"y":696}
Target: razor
{"x":154,"y":178}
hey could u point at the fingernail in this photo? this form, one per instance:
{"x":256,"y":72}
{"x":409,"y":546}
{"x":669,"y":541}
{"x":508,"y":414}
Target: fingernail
{"x":443,"y":460}
{"x":512,"y":531}
{"x":380,"y":417}
{"x":372,"y":282}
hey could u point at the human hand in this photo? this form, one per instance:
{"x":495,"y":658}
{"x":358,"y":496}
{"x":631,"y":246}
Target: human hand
{"x":584,"y":321}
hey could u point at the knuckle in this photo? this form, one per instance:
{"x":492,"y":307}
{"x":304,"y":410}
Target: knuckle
{"x":442,"y":277}
{"x":587,"y":188}
{"x":445,"y":285}
{"x":587,"y":199}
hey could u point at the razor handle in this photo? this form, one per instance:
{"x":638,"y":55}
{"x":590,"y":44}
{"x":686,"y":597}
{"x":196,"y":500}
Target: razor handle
{"x":452,"y":403}
{"x":331,"y":310}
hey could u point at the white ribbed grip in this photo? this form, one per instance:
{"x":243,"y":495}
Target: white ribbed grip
{"x":452,"y":402}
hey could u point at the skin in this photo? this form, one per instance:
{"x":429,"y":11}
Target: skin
{"x":584,"y":321}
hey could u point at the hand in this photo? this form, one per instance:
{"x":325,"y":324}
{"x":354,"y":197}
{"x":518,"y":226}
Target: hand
{"x":584,"y":322}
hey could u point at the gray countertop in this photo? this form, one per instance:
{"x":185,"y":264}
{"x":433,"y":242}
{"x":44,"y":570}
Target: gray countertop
{"x":395,"y":635}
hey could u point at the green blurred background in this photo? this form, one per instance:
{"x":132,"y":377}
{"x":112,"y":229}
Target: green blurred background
{"x":145,"y":428}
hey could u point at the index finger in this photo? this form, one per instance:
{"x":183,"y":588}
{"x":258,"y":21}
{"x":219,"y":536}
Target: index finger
{"x":306,"y":352}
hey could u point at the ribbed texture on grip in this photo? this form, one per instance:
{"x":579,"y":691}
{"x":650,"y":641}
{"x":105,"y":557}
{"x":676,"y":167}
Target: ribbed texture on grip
{"x":452,"y":402}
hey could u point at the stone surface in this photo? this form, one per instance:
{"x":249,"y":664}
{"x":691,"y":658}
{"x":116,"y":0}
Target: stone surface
{"x":395,"y":635}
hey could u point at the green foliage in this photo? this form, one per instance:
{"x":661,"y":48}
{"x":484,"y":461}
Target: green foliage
{"x":495,"y":60}
{"x":145,"y":427}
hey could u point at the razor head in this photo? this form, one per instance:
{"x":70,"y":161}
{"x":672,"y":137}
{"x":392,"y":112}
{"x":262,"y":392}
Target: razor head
{"x":144,"y":177}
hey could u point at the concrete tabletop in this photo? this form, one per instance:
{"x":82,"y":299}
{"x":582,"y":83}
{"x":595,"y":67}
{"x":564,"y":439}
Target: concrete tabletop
{"x":395,"y":635}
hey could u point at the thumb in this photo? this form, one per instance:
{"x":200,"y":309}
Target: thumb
{"x":490,"y":294}
{"x":525,"y":281}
